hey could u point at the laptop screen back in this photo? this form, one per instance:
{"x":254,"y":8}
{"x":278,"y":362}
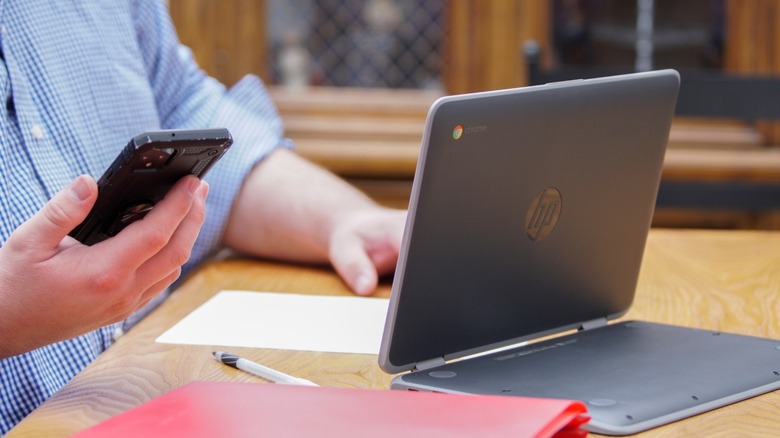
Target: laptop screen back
{"x":529,"y":214}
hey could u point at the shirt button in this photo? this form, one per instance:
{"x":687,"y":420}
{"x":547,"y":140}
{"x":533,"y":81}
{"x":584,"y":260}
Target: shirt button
{"x":37,"y":132}
{"x":118,"y":332}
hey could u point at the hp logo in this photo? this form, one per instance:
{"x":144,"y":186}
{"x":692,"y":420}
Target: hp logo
{"x":543,"y":214}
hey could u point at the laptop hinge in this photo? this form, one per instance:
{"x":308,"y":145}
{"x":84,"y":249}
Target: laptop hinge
{"x":430,"y":363}
{"x":596,"y":323}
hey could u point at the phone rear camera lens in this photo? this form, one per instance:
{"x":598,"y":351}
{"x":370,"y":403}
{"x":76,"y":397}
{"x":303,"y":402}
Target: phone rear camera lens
{"x":153,"y":159}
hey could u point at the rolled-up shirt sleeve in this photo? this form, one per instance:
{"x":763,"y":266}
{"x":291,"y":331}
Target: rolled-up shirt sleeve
{"x":186,"y":97}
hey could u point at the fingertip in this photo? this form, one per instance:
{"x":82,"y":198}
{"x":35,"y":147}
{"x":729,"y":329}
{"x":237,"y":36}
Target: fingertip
{"x":191,"y":183}
{"x":82,"y":187}
{"x":203,"y":190}
{"x":364,"y":285}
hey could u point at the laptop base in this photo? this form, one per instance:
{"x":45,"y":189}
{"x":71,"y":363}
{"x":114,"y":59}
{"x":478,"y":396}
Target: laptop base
{"x":632,"y":375}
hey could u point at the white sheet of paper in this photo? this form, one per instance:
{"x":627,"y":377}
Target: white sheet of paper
{"x":284,"y":321}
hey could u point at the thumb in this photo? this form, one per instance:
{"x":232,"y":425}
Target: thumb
{"x":61,"y":214}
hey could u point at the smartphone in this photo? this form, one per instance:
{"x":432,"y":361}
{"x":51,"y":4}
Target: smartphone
{"x":142,"y":174}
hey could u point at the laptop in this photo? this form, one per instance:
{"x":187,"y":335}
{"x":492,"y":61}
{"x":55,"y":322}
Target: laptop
{"x":528,"y":219}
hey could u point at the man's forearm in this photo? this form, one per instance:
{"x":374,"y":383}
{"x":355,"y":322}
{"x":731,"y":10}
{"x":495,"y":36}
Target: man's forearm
{"x":288,"y":207}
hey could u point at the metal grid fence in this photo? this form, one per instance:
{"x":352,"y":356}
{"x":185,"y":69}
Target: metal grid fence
{"x":356,"y":43}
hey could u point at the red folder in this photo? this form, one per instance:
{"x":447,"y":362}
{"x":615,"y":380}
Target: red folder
{"x":239,"y":409}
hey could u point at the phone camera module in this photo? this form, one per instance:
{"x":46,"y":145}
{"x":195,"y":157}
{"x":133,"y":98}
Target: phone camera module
{"x":153,"y":159}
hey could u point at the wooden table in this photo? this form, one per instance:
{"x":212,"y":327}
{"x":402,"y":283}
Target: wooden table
{"x":718,"y":280}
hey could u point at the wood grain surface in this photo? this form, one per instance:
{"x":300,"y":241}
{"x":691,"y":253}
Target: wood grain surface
{"x":718,"y":280}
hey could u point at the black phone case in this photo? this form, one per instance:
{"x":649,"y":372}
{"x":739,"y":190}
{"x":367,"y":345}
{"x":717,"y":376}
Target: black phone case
{"x":144,"y":172}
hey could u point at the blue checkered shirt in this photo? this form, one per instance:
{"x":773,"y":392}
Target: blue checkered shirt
{"x":78,"y":80}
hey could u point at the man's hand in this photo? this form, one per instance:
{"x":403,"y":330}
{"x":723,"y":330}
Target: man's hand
{"x":365,"y":245}
{"x":291,"y":209}
{"x":54,"y":288}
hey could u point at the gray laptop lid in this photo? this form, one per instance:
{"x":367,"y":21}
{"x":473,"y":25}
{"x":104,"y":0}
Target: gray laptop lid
{"x":534,"y":220}
{"x":528,"y":217}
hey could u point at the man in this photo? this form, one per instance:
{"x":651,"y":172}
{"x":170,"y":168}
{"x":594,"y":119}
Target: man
{"x":78,"y":80}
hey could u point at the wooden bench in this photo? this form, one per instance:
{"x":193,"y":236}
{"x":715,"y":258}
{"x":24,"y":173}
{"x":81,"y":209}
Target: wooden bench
{"x":731,"y":175}
{"x":372,"y":138}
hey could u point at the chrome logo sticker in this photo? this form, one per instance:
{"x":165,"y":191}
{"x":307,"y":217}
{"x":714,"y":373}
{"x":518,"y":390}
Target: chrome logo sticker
{"x":457,"y":132}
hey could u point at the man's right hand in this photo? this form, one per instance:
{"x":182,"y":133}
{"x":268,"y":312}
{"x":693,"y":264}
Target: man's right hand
{"x":53,"y":288}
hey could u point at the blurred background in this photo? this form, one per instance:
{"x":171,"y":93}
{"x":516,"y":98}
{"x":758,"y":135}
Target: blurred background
{"x":354,"y":78}
{"x":469,"y":45}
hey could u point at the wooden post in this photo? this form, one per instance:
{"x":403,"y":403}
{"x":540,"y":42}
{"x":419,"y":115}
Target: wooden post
{"x":228,"y":37}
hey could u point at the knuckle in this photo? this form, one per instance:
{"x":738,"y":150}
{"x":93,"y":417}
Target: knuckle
{"x":107,"y":280}
{"x":156,"y":238}
{"x":19,"y":243}
{"x":199,"y":215}
{"x":180,"y":254}
{"x":56,"y":214}
{"x":125,"y":305}
{"x":174,"y":276}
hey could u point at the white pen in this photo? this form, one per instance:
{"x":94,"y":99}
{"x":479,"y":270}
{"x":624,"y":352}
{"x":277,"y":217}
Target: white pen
{"x":260,"y":370}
